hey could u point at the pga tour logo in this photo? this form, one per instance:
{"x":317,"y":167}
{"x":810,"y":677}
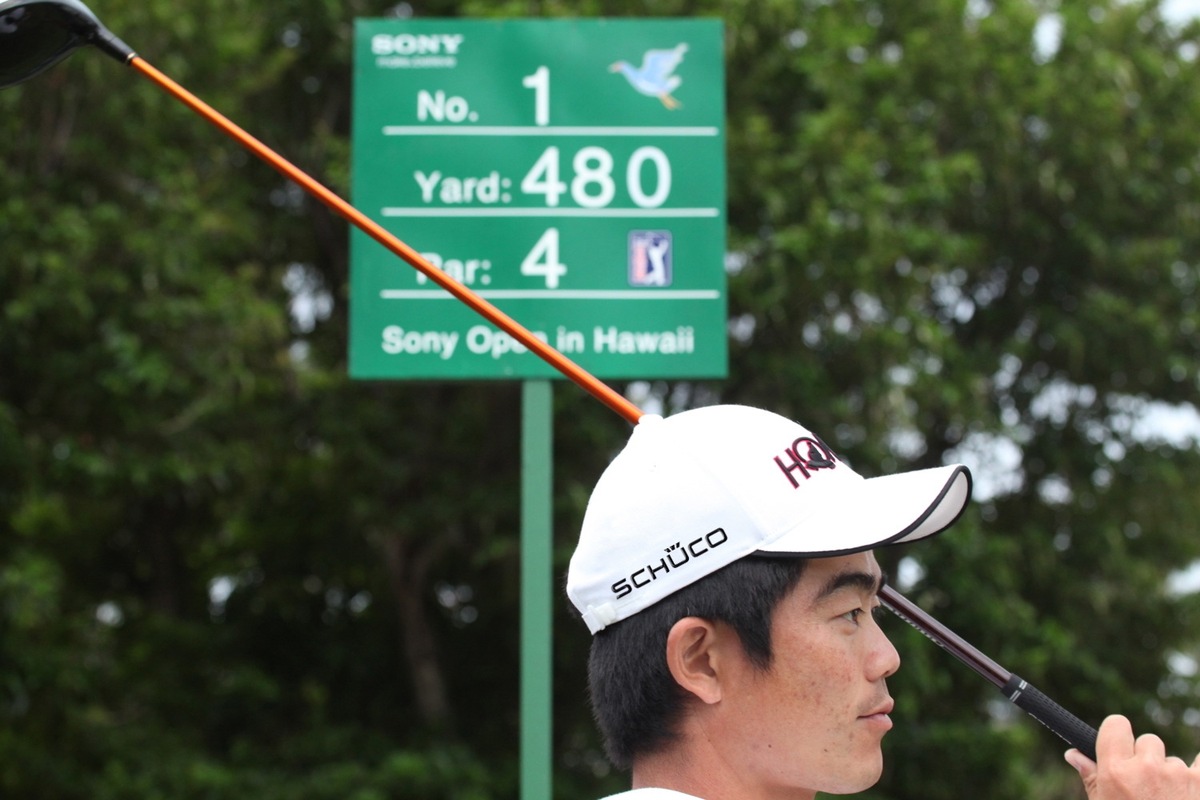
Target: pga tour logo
{"x":650,"y":258}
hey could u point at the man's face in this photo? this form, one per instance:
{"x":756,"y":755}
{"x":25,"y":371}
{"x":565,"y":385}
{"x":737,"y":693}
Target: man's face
{"x":815,"y":719}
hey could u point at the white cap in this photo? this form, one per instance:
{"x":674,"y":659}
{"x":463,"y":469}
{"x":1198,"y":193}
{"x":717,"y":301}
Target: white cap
{"x":704,"y":488}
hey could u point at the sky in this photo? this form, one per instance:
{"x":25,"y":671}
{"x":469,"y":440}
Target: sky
{"x":1181,"y":10}
{"x":1049,"y":28}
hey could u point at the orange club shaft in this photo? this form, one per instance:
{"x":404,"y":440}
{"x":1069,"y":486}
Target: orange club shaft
{"x":601,"y":391}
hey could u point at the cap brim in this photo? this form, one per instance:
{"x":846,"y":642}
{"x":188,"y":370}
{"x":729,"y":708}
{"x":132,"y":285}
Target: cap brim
{"x":878,"y":511}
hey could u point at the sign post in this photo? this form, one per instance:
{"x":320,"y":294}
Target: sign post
{"x":537,"y":590}
{"x":572,"y":172}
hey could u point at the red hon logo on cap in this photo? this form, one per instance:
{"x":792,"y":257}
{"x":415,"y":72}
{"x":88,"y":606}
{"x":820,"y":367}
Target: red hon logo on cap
{"x":806,"y":455}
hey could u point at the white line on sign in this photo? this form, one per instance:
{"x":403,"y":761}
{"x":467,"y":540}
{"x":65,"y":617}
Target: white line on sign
{"x":555,"y":294}
{"x":392,"y":211}
{"x":549,"y":130}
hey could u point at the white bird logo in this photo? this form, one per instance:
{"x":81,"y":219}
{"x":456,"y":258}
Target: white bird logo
{"x":656,"y":77}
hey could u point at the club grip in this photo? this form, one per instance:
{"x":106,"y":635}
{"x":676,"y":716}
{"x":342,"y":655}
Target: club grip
{"x":1070,"y":728}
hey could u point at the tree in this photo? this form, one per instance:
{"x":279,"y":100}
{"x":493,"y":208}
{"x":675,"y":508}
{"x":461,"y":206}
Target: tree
{"x":227,"y":569}
{"x":970,"y":248}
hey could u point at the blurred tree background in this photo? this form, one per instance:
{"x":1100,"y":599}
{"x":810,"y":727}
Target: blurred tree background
{"x":958,"y":229}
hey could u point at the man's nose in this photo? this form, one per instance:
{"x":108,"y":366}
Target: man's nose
{"x":885,"y":658}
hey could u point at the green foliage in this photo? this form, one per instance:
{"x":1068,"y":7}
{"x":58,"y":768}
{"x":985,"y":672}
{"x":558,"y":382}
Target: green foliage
{"x":228,"y":571}
{"x":963,"y":244}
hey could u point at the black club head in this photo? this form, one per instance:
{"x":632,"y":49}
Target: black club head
{"x":37,"y":34}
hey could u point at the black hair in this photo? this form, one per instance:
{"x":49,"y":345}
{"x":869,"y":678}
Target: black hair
{"x":635,"y":700}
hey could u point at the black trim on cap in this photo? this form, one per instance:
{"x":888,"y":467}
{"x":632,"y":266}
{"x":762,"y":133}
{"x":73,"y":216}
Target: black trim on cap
{"x":960,"y":470}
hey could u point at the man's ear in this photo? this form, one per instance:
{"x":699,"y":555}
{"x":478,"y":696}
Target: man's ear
{"x":699,"y":656}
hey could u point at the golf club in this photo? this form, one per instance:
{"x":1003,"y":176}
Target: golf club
{"x":1020,"y":692}
{"x":36,"y":34}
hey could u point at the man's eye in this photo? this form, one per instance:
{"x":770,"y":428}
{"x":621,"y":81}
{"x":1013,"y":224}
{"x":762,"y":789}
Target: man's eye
{"x":855,"y":615}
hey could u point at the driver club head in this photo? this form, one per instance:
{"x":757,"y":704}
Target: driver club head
{"x":37,"y":34}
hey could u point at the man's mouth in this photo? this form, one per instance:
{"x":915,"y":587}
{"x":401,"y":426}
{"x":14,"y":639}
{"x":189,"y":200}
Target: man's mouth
{"x":880,"y":711}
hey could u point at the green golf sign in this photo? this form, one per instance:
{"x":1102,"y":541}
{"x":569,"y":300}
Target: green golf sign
{"x":572,"y":172}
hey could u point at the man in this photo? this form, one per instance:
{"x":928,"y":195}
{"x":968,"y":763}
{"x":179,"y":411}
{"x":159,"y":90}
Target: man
{"x":725,"y":569}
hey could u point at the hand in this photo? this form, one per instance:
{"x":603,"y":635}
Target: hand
{"x":1129,"y":769}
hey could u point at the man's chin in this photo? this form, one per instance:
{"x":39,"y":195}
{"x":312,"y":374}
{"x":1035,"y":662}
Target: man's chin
{"x":863,"y":776}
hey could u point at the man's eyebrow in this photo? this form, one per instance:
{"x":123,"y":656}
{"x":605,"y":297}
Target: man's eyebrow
{"x":863,"y":581}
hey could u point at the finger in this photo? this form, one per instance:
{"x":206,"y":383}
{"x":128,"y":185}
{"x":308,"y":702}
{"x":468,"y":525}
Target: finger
{"x":1114,"y":740}
{"x":1084,"y":765}
{"x":1086,"y":768}
{"x":1150,"y":747}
